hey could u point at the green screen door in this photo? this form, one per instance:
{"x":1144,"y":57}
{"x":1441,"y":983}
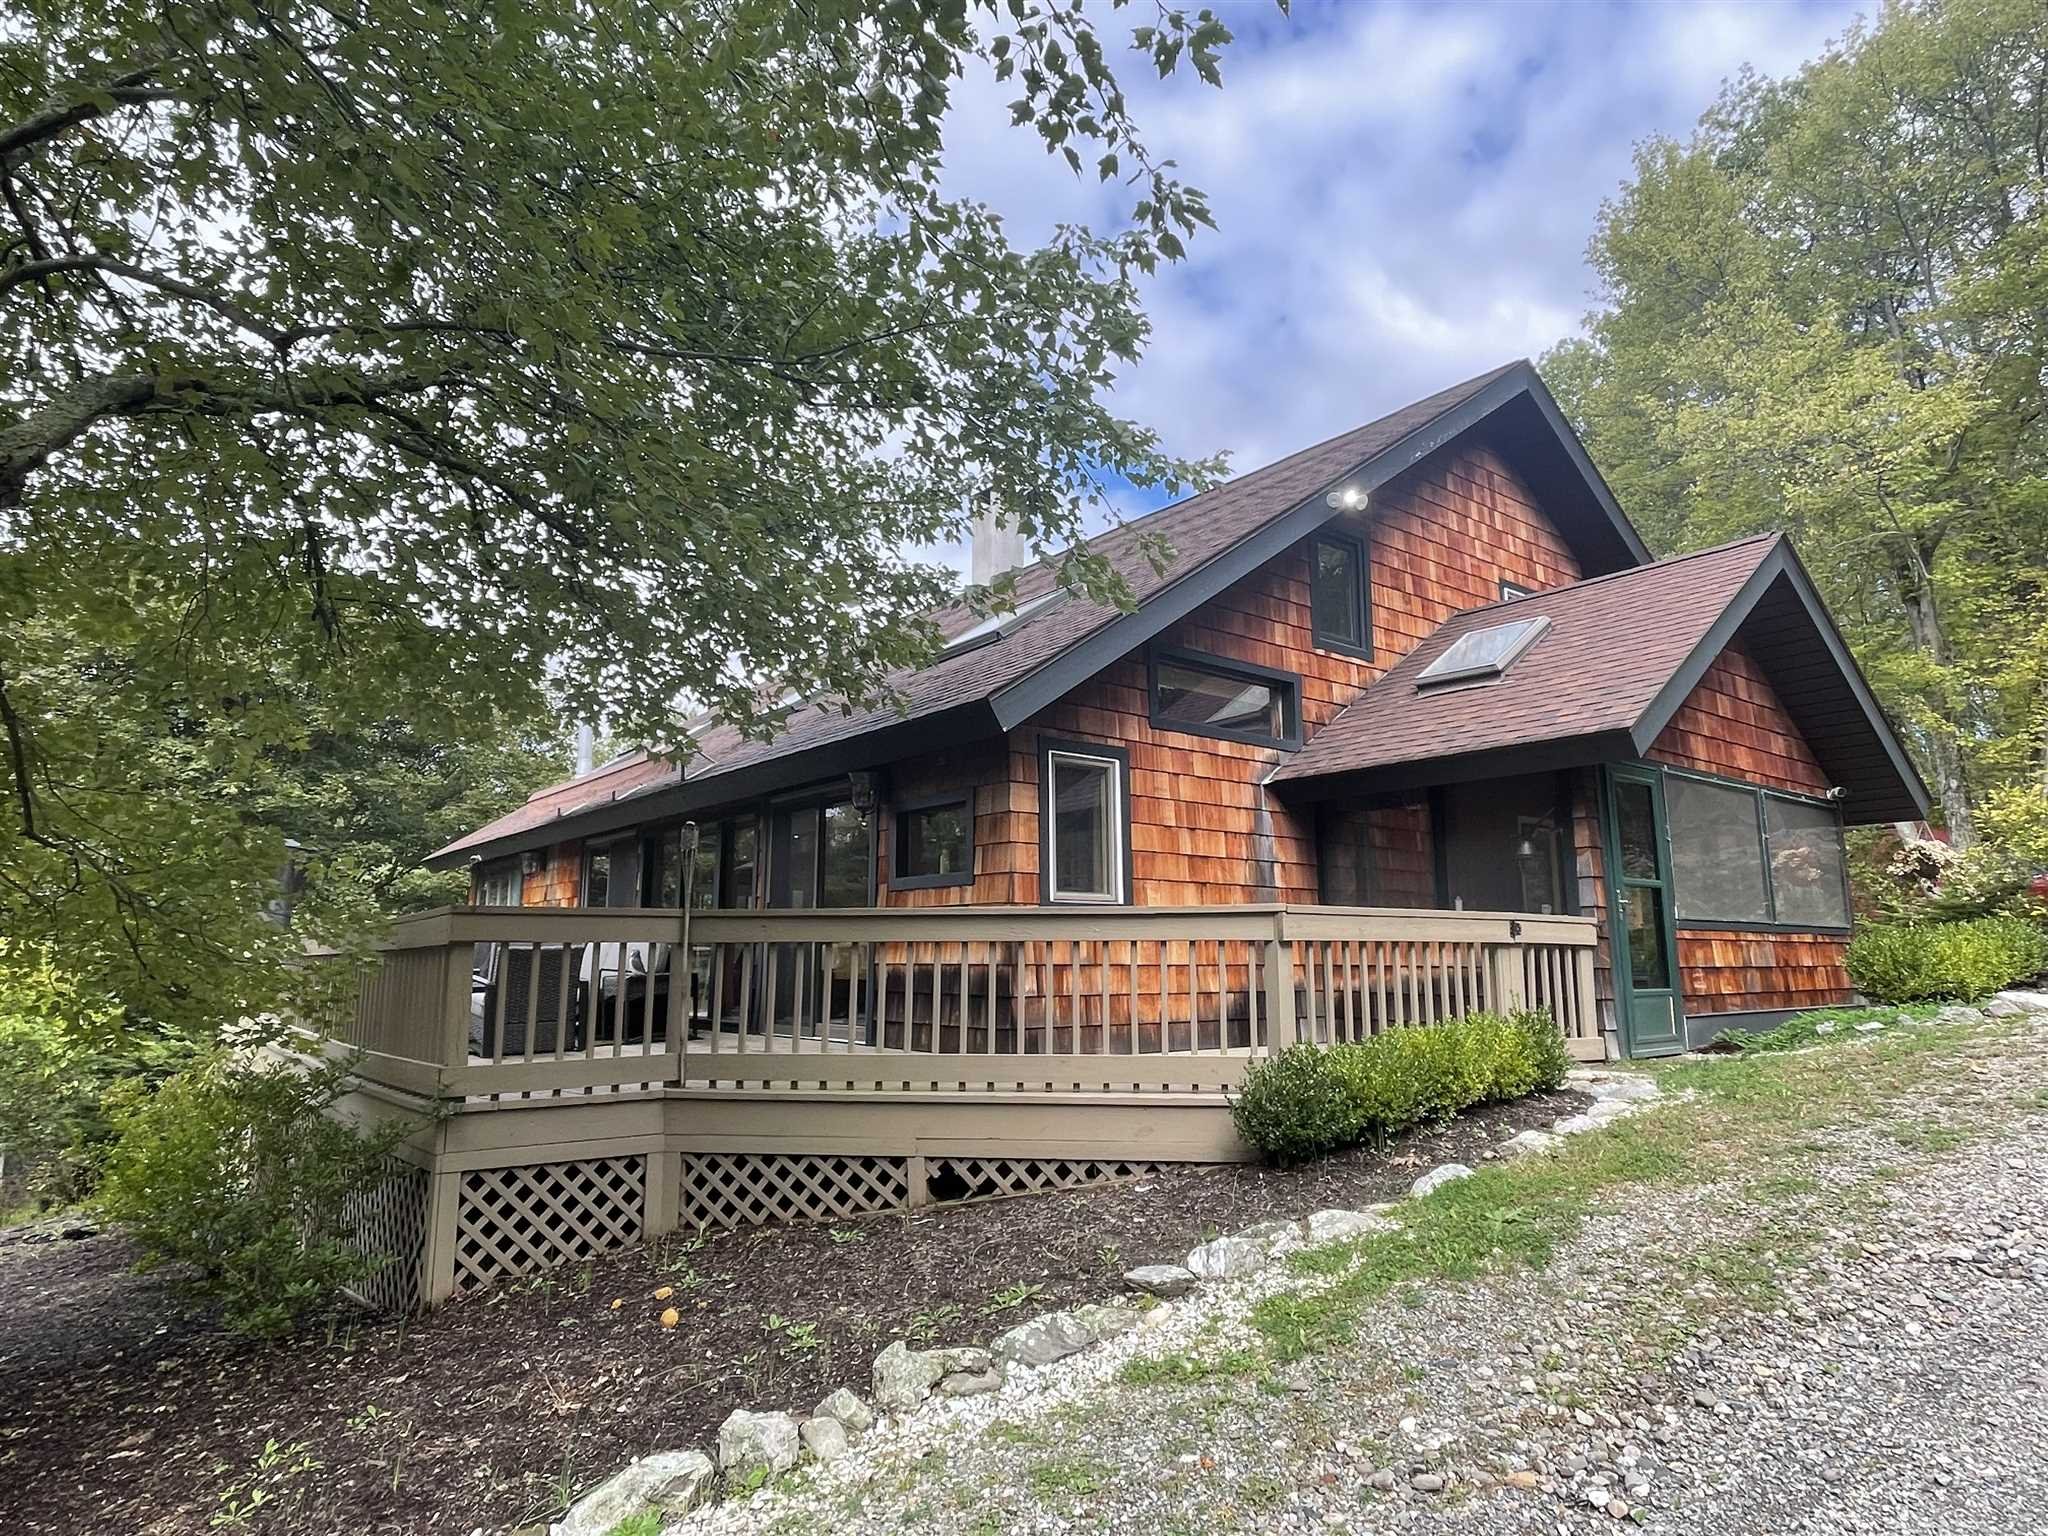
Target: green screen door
{"x":1646,"y":998}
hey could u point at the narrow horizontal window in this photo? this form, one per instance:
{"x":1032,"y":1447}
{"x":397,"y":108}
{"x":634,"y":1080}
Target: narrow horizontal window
{"x":1340,"y":611}
{"x":1217,"y":698}
{"x":934,"y":843}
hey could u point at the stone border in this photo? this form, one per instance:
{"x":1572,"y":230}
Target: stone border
{"x":919,"y":1394}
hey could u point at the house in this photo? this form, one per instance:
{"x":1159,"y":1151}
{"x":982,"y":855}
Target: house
{"x":1410,"y":723}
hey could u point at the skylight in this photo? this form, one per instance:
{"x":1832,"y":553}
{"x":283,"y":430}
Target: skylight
{"x":1485,"y":653}
{"x":996,"y":625}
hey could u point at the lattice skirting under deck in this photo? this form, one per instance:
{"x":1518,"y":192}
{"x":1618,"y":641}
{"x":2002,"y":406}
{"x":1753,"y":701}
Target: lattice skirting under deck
{"x":984,"y":1178}
{"x":738,"y":1189}
{"x":519,"y":1221}
{"x":389,"y":1223}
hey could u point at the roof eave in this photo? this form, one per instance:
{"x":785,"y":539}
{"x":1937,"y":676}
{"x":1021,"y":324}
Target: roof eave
{"x":960,"y":723}
{"x":1024,"y":698}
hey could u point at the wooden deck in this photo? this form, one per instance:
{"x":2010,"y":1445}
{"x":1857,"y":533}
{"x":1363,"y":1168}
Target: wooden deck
{"x":768,"y":1065}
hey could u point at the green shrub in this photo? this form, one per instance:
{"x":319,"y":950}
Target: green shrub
{"x":237,"y":1174}
{"x":1307,"y":1101}
{"x":1294,"y":1107}
{"x":1905,"y":962}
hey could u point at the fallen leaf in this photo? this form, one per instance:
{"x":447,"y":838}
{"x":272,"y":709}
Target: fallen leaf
{"x":670,"y":1317}
{"x":664,"y":1293}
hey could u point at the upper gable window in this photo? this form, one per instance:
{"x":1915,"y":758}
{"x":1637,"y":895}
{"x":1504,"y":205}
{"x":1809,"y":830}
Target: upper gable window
{"x":1339,"y":602}
{"x":1209,"y":696}
{"x":1510,"y":590}
{"x":1483,"y":654}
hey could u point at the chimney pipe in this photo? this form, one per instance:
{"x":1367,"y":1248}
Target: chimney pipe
{"x":994,"y":546}
{"x":586,"y":749}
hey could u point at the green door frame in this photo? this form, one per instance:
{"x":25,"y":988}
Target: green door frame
{"x":1651,"y":1017}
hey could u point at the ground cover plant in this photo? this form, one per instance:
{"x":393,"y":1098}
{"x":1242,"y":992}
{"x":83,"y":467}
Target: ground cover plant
{"x":1312,"y":1100}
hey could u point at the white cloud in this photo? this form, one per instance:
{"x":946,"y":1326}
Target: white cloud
{"x":1403,"y":191}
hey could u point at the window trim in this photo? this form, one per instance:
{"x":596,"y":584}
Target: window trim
{"x":1287,"y":684}
{"x":502,"y":867}
{"x":1119,"y":760}
{"x":1760,"y":793}
{"x":591,"y":850}
{"x":1361,"y":597}
{"x":1510,"y":590}
{"x":898,"y":810}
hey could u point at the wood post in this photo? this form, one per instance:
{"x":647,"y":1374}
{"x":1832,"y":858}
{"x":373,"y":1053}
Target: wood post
{"x":437,"y":1253}
{"x":1506,"y":987}
{"x":457,"y":977}
{"x":920,"y":1191}
{"x":663,"y":1199}
{"x":1280,"y":1029}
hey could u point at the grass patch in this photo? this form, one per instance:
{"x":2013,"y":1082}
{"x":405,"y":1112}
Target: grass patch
{"x":1059,"y":1477}
{"x":1508,"y":1217}
{"x":1007,"y":1433}
{"x":1186,"y":1370}
{"x":1747,"y":1110}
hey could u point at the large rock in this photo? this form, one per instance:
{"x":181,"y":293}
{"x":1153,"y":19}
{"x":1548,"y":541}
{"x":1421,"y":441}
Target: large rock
{"x":1623,"y":1085}
{"x":1274,"y":1234}
{"x":970,"y":1382}
{"x":1226,"y":1258}
{"x":824,"y":1438}
{"x":1334,"y":1226}
{"x":747,"y":1441}
{"x":1437,"y":1178}
{"x":2025,"y":999}
{"x":1168,"y":1280}
{"x":1106,"y":1319}
{"x":1528,"y":1143}
{"x":905,"y":1377}
{"x":1043,"y":1340}
{"x":848,"y":1409}
{"x":670,"y":1483}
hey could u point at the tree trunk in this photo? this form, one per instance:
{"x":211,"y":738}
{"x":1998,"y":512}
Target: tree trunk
{"x":1944,"y":745}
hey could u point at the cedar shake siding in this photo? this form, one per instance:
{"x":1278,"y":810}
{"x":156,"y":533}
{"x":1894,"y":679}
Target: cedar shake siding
{"x":1733,"y":725}
{"x":1204,"y":829}
{"x":558,"y":882}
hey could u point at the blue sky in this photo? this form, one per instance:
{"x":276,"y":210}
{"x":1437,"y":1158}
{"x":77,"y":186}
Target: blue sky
{"x":1403,"y":192}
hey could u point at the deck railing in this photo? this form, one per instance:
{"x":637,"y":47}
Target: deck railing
{"x":487,"y":1004}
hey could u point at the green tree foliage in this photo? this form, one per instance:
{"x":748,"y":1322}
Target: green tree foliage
{"x":61,"y":1048}
{"x":1827,"y":313}
{"x":365,"y":806}
{"x":504,"y":362}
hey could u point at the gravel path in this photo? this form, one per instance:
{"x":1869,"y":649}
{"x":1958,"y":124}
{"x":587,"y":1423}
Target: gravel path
{"x":1852,"y":1337}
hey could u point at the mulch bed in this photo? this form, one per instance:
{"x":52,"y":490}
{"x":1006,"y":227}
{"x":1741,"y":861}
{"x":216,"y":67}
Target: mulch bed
{"x":123,"y":1410}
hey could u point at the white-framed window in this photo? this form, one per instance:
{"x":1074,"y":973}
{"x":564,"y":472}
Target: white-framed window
{"x":1084,"y":813}
{"x":499,"y":884}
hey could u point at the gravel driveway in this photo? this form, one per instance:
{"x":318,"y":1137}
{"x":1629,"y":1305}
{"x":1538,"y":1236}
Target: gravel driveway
{"x":1846,"y":1333}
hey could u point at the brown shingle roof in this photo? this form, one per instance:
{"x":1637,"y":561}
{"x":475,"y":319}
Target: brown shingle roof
{"x":1613,"y":644}
{"x":1197,"y":530}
